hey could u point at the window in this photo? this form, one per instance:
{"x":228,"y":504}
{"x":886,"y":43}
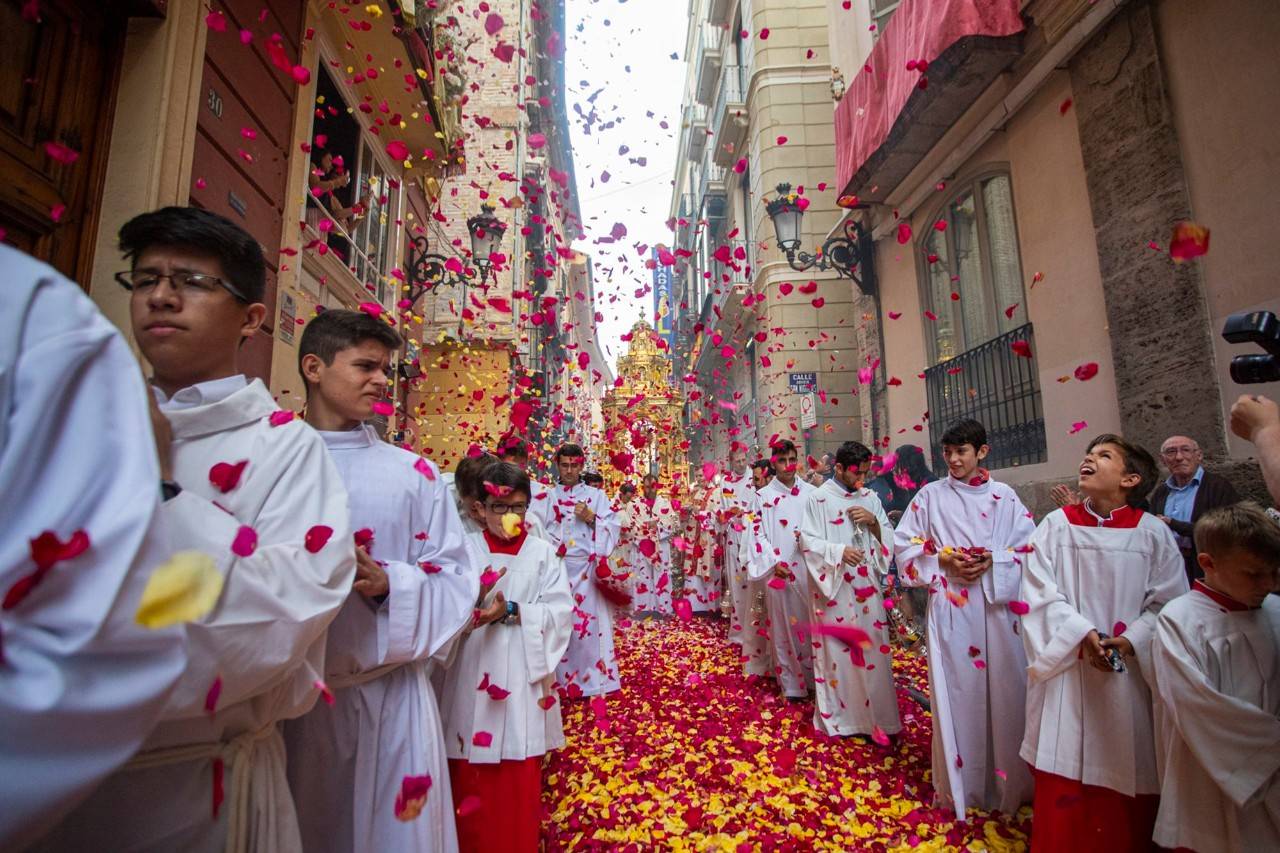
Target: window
{"x":973,"y":285}
{"x":881,"y":12}
{"x":972,"y":271}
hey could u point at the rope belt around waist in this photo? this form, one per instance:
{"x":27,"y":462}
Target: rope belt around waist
{"x":237,"y":758}
{"x":340,"y":682}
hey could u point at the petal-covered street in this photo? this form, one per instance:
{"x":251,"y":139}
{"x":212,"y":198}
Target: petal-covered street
{"x":692,"y":755}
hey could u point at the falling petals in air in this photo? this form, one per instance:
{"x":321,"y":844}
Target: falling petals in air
{"x":482,"y":739}
{"x":1086,"y":371}
{"x":493,"y":23}
{"x":216,"y":21}
{"x":384,"y":407}
{"x":512,"y":524}
{"x":325,"y":692}
{"x":1021,"y":348}
{"x":904,"y":233}
{"x":412,"y":797}
{"x":182,"y":589}
{"x":1077,"y":427}
{"x":1189,"y":241}
{"x":62,"y":153}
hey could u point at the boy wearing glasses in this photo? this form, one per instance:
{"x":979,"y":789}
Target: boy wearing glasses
{"x":499,"y":705}
{"x":254,"y":490}
{"x":352,"y":760}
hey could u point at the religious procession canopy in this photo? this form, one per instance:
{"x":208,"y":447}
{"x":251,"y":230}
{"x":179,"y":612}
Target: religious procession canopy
{"x":642,"y":416}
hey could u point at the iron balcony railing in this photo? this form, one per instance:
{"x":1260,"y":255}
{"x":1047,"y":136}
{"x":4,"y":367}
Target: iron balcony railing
{"x":992,"y":384}
{"x":731,"y":91}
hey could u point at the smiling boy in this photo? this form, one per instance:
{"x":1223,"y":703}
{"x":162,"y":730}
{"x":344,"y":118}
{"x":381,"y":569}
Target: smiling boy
{"x":1101,"y":567}
{"x":963,"y":538}
{"x":413,"y":594}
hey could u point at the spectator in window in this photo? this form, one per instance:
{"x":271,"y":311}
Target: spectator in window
{"x":328,"y":175}
{"x":1188,"y":493}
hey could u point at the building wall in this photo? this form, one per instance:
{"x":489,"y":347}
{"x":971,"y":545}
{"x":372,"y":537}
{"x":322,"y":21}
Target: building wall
{"x":1224,"y":90}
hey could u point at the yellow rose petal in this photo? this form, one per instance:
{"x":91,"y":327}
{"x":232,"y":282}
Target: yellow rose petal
{"x":511,"y":524}
{"x":182,"y":589}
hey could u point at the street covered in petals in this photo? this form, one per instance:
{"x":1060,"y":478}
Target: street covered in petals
{"x":691,"y":755}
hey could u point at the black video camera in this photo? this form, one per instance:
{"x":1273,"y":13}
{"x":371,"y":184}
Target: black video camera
{"x":1262,"y":328}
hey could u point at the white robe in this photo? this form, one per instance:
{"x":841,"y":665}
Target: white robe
{"x":1217,"y":714}
{"x":1217,"y":725}
{"x":782,"y":513}
{"x":739,"y":516}
{"x":850,"y":699}
{"x":347,"y":760}
{"x":539,"y":501}
{"x":1084,"y":724}
{"x":977,"y":712}
{"x":651,"y":576}
{"x":81,"y":684}
{"x":265,"y":638}
{"x":590,"y":664}
{"x":703,"y":573}
{"x":520,"y":658}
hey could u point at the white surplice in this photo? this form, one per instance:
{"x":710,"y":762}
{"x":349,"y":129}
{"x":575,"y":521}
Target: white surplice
{"x":265,"y":638}
{"x":703,"y":573}
{"x":518,"y":660}
{"x":655,"y":523}
{"x":850,"y":699}
{"x":347,"y":760}
{"x":782,"y":514}
{"x":1083,"y":724}
{"x":1217,"y":713}
{"x":539,"y":501}
{"x":739,"y":513}
{"x":81,"y":683}
{"x":590,"y":664}
{"x":977,"y":712}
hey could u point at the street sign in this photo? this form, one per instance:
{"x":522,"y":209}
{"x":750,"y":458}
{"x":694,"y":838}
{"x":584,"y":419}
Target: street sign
{"x":803,"y":383}
{"x":808,"y":410}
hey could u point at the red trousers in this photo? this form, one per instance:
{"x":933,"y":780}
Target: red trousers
{"x":498,"y":806}
{"x":1069,"y":817}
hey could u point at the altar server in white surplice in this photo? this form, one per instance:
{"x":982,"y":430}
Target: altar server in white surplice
{"x":784,"y":575}
{"x":415,"y":591}
{"x":81,"y":684}
{"x":1096,"y":577}
{"x":653,"y":526}
{"x":582,"y":528}
{"x":513,"y":449}
{"x":845,"y":540}
{"x":1216,"y":657}
{"x":253,"y":488}
{"x":501,"y":713}
{"x":704,"y":553}
{"x":962,"y":537}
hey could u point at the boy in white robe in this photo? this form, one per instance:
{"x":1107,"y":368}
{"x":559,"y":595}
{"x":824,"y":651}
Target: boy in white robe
{"x":1216,"y":659}
{"x":784,"y":574}
{"x":354,"y":763}
{"x":1095,"y":579}
{"x":653,"y":528}
{"x":962,"y":537}
{"x":582,"y":528}
{"x":739,"y":513}
{"x":254,"y":488}
{"x":513,"y":449}
{"x":703,"y":560}
{"x":69,"y":645}
{"x":844,"y":540}
{"x":501,"y":714}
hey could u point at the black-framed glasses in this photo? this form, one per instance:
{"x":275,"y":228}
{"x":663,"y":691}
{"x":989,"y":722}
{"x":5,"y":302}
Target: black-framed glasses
{"x":186,"y":283}
{"x":503,"y":509}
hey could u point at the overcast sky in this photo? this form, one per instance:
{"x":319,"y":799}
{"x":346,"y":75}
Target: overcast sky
{"x":619,"y":51}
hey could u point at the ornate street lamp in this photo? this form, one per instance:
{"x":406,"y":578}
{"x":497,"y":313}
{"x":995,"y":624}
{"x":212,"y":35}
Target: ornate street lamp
{"x":843,"y":253}
{"x":486,"y":235}
{"x":427,"y":270}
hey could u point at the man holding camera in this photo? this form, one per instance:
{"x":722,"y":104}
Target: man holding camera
{"x":1257,"y":420}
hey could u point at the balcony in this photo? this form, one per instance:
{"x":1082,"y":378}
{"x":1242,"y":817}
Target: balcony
{"x":886,"y":124}
{"x":710,"y":62}
{"x":992,"y":384}
{"x":714,"y":202}
{"x":695,"y":129}
{"x":729,"y":116}
{"x":720,"y":12}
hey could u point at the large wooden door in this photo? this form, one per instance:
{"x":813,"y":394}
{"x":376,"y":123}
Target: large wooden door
{"x":58,"y":79}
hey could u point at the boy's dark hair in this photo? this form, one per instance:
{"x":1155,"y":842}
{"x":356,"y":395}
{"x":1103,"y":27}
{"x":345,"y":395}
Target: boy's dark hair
{"x":649,"y":477}
{"x":592,"y":478}
{"x":467,"y":479}
{"x":1244,"y":527}
{"x":852,"y":454}
{"x":337,"y":329}
{"x":513,"y":446}
{"x":569,"y":449}
{"x":628,"y":486}
{"x":191,"y":227}
{"x":967,"y":431}
{"x":763,"y":464}
{"x":782,"y":447}
{"x":1136,"y":461}
{"x":503,"y":474}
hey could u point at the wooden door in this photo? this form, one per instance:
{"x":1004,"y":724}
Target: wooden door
{"x":58,"y":79}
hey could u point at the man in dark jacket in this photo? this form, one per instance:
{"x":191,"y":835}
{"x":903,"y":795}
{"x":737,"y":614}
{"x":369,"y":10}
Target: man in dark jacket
{"x":1189,"y":493}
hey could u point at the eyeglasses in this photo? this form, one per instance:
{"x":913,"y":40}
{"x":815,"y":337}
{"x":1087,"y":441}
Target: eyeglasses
{"x":503,"y":509}
{"x":187,"y":284}
{"x":1173,"y":452}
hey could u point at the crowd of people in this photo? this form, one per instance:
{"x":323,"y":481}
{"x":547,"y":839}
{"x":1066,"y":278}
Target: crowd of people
{"x":229,"y":627}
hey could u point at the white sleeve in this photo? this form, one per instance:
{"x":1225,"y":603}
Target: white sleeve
{"x":433,"y":595}
{"x":1234,"y":741}
{"x":1007,"y":556}
{"x":277,"y":603}
{"x":608,"y":525}
{"x":916,"y":554}
{"x":81,"y":684}
{"x":823,"y":559}
{"x":546,"y":623}
{"x":1051,"y":629}
{"x":1166,"y":580}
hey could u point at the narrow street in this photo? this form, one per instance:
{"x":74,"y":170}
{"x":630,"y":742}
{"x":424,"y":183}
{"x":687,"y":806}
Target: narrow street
{"x":691,"y":755}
